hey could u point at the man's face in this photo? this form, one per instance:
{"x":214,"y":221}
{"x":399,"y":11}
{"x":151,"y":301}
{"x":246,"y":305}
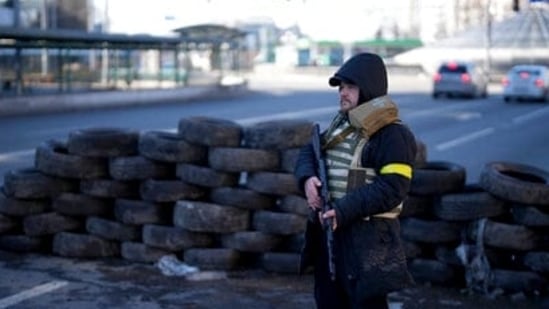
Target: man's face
{"x":348,"y":96}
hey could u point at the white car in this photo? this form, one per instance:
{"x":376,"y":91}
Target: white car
{"x":526,"y":82}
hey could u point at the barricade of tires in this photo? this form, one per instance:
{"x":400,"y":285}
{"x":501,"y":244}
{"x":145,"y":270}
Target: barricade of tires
{"x":216,"y":194}
{"x":222,"y":196}
{"x":490,"y":237}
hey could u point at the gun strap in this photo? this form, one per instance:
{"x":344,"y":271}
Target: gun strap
{"x":338,"y":138}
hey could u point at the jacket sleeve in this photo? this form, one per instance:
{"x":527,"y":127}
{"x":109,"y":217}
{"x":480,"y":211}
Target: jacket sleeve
{"x":390,"y":152}
{"x":305,"y":165}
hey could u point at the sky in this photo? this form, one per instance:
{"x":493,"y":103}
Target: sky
{"x":320,"y":19}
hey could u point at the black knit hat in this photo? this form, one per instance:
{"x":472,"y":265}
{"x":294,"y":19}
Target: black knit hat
{"x":365,"y":70}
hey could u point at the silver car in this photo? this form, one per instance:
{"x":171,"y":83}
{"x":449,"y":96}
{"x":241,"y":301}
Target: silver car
{"x":526,"y":82}
{"x":465,"y":79}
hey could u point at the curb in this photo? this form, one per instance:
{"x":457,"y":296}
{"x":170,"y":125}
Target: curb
{"x":27,"y":105}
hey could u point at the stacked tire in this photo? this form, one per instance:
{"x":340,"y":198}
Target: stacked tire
{"x":222,"y":196}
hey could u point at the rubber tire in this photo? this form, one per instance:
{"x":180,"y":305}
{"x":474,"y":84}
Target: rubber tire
{"x":517,"y":281}
{"x":15,"y":207}
{"x":242,"y":198}
{"x":82,"y":205}
{"x":169,"y":191}
{"x":174,"y":239}
{"x":432,"y":271}
{"x":170,"y":147}
{"x":103,"y":142}
{"x":505,"y":235}
{"x":296,"y":204}
{"x":112,"y":230}
{"x":278,"y":223}
{"x":212,"y":258}
{"x":50,"y":223}
{"x":141,"y":253}
{"x":470,"y":204}
{"x":437,"y":177}
{"x":289,"y":159}
{"x":530,"y":216}
{"x":206,"y":176}
{"x":25,"y":243}
{"x":228,"y":159}
{"x":83,"y":245}
{"x":278,"y":134}
{"x":251,"y":241}
{"x":537,"y":261}
{"x":281,"y":262}
{"x":420,"y":230}
{"x":139,"y":212}
{"x":421,"y":153}
{"x":273,"y":183}
{"x":30,"y":183}
{"x":8,"y":224}
{"x":208,"y":131}
{"x":210,"y":218}
{"x":135,"y":168}
{"x":52,"y":158}
{"x":516,"y":182}
{"x":109,"y":188}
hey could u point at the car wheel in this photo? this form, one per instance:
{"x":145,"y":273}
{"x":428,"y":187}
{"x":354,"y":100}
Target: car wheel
{"x":506,"y":99}
{"x":436,"y":95}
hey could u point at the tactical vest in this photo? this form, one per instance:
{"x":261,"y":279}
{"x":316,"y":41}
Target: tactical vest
{"x":345,"y":171}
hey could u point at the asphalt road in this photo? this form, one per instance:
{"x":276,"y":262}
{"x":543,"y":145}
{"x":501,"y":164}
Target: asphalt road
{"x":468,"y":132}
{"x":45,"y":282}
{"x":463,"y":131}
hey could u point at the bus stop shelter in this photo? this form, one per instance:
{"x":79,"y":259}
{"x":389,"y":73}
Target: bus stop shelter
{"x":22,"y":53}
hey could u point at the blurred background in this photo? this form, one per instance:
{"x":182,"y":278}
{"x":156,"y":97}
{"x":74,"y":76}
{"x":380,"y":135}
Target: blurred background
{"x":470,"y":77}
{"x":73,"y":45}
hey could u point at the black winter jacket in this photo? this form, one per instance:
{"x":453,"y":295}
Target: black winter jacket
{"x":370,"y":257}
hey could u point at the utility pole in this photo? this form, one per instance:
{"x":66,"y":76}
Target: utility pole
{"x":44,"y":26}
{"x":488,"y":37}
{"x":18,"y":63}
{"x":105,"y":51}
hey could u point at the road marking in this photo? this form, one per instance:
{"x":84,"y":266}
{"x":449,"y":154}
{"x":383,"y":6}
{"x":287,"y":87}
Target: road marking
{"x":432,"y":111}
{"x":34,"y":292}
{"x":15,"y":155}
{"x":531,"y":115}
{"x":290,"y":115}
{"x":11,"y":156}
{"x":323,"y":111}
{"x":464,"y":139}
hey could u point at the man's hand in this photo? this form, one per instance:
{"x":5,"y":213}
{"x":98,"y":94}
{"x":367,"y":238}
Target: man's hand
{"x":311,"y":192}
{"x":315,"y":202}
{"x":330,"y":214}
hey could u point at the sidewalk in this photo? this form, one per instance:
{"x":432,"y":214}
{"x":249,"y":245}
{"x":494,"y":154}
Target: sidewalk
{"x":33,"y":104}
{"x":266,"y":76}
{"x":202,"y":85}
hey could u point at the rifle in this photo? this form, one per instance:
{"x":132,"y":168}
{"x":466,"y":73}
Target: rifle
{"x":325,"y":196}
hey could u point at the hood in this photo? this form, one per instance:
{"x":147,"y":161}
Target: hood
{"x":367,"y":71}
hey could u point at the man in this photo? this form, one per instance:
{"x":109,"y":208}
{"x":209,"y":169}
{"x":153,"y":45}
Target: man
{"x":369,"y":155}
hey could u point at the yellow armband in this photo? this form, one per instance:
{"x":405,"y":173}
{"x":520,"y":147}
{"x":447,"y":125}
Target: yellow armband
{"x":397,"y":168}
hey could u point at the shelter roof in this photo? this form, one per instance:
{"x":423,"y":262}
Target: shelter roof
{"x":63,"y":38}
{"x":27,"y":37}
{"x":209,"y":33}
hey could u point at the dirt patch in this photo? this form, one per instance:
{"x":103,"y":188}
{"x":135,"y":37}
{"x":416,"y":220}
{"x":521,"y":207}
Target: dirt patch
{"x":260,"y":289}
